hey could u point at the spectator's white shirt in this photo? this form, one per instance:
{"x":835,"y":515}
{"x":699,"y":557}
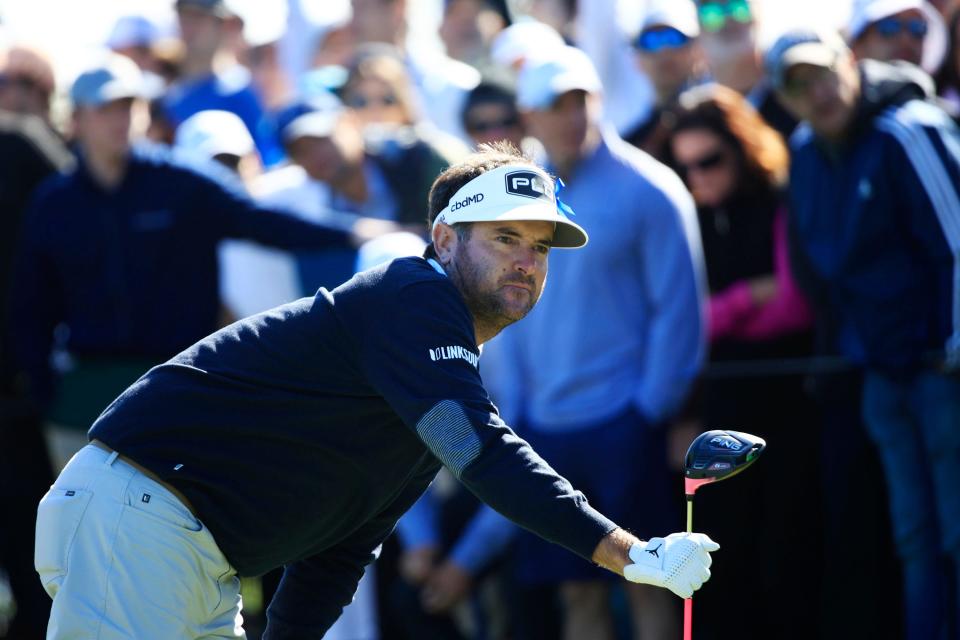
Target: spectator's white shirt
{"x":254,"y":278}
{"x":442,"y":84}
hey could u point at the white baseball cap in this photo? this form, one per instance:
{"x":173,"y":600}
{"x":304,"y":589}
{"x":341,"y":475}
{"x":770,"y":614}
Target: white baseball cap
{"x":542,"y":82}
{"x":935,"y":44}
{"x":133,"y":30}
{"x":514,"y":192}
{"x":524,"y":41}
{"x":115,"y":78}
{"x":677,"y":14}
{"x":213,"y":132}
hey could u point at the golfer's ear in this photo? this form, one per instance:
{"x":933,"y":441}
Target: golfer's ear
{"x":444,"y":241}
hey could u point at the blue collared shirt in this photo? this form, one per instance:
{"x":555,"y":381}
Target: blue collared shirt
{"x":621,"y":321}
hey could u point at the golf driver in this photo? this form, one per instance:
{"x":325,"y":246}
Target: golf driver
{"x":713,"y":456}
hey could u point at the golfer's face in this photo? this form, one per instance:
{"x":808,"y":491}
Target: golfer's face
{"x":503,"y":266}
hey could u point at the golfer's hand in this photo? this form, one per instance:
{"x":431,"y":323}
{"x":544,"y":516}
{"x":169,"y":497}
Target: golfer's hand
{"x":680,"y":562}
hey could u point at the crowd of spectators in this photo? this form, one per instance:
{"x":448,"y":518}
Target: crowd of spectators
{"x":774,"y":227}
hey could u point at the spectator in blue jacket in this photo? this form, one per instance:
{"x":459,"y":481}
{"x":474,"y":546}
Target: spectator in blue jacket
{"x":119,"y":255}
{"x":875,"y":188}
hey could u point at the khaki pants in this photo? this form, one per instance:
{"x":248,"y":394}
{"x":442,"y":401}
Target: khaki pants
{"x":122,"y":557}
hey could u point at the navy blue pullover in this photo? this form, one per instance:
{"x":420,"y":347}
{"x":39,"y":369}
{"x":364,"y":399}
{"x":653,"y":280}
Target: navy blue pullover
{"x":133,"y":271}
{"x":301,"y":434}
{"x":875,"y":224}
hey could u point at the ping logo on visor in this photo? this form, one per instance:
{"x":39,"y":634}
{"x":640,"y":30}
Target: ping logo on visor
{"x":513,"y":192}
{"x":527,"y":184}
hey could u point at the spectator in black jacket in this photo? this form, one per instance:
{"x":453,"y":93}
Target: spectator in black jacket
{"x":119,"y":256}
{"x":29,"y":152}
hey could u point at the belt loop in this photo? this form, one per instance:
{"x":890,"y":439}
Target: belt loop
{"x":111,"y":458}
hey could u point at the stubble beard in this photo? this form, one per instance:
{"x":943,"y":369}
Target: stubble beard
{"x":487,"y":305}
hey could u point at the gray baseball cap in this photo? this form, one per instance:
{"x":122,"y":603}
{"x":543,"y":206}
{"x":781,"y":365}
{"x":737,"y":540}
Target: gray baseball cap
{"x":116,"y":78}
{"x":802,"y":46}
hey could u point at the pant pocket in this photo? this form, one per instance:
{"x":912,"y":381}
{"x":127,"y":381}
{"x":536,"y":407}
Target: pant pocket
{"x":145,"y":497}
{"x":58,"y":518}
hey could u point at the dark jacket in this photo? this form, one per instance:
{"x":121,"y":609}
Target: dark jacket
{"x":301,"y":434}
{"x":875,"y":224}
{"x":29,"y":152}
{"x":132,"y":272}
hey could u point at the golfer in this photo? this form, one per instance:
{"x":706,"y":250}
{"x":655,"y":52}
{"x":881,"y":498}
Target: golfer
{"x":297,"y":438}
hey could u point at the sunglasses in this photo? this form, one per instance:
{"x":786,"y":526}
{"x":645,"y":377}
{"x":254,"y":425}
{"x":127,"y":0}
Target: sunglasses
{"x":22,"y":82}
{"x":714,"y":15}
{"x":659,"y":39}
{"x":892,"y":27}
{"x":706,"y":163}
{"x":483,"y":126}
{"x":362,"y":102}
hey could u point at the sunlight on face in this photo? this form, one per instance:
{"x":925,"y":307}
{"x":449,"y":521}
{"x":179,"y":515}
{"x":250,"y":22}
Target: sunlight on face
{"x":501,"y":268}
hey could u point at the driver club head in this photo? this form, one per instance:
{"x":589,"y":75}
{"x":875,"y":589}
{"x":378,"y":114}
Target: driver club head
{"x":719,"y":454}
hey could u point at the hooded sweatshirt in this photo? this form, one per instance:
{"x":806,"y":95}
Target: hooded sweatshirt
{"x":875,"y":224}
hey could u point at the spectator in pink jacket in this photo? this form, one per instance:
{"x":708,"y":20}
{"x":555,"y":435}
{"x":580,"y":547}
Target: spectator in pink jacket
{"x":735,"y":165}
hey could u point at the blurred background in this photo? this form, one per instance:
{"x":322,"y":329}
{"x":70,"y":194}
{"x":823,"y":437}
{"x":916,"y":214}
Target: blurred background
{"x":168,"y":167}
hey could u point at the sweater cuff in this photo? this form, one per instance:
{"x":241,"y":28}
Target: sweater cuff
{"x":583,"y":540}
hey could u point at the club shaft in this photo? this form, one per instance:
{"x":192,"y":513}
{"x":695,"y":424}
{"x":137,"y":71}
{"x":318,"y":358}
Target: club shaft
{"x":688,"y":602}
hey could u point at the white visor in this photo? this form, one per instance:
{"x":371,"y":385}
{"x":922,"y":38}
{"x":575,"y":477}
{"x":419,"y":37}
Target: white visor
{"x":514,"y":192}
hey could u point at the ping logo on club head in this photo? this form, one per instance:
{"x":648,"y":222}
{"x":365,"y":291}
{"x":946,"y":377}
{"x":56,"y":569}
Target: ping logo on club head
{"x":528,"y":184}
{"x":726,"y":442}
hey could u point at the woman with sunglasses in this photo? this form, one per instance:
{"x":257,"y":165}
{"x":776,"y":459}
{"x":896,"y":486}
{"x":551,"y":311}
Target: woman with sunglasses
{"x":378,"y":90}
{"x":402,"y":154}
{"x":735,"y":166}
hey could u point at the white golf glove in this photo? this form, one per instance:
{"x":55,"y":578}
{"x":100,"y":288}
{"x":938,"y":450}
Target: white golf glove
{"x":680,"y":562}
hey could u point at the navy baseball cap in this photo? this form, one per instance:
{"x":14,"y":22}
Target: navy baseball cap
{"x":802,"y":46}
{"x":116,"y":78}
{"x":315,"y":117}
